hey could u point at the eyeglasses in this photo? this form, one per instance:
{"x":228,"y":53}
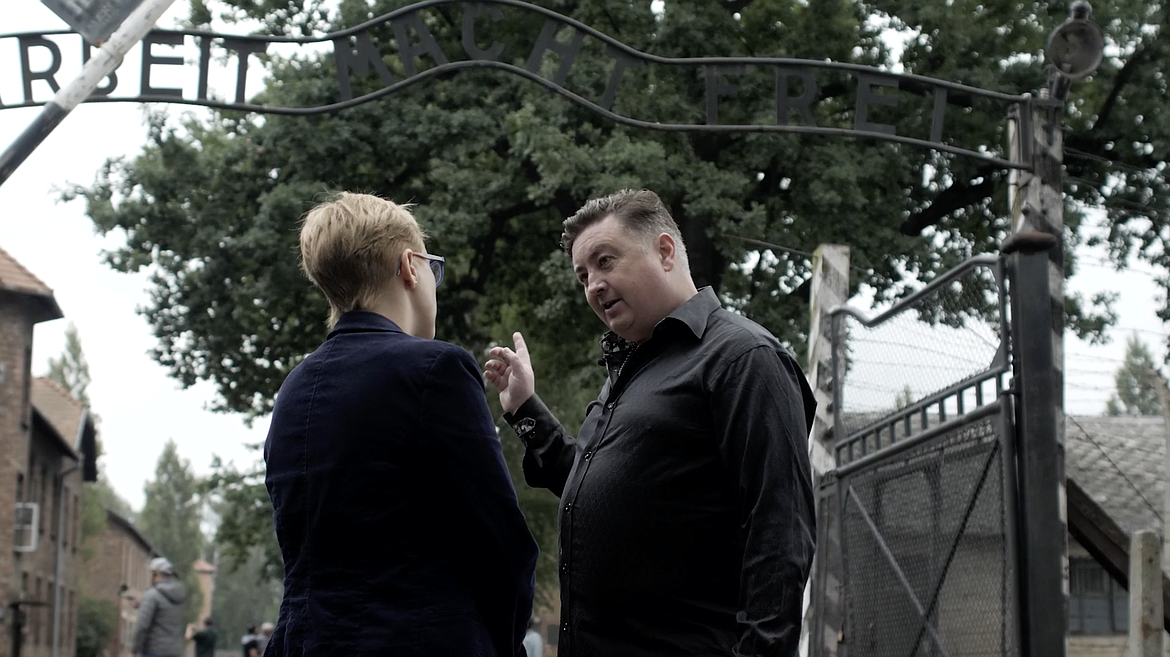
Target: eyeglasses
{"x":437,"y":263}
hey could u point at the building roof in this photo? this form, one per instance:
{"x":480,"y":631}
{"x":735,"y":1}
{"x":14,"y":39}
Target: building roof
{"x":70,"y":422}
{"x":127,"y":526}
{"x":63,"y":411}
{"x":16,"y":279}
{"x":1120,"y":463}
{"x":201,"y":566}
{"x":1116,"y":473}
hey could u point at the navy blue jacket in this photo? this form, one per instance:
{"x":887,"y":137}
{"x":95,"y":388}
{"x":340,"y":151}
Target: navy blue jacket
{"x":394,"y":510}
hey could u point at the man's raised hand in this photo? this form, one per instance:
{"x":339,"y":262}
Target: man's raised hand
{"x":511,"y":373}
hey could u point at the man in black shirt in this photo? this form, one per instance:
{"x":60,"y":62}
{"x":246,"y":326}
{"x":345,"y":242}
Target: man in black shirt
{"x":204,"y":639}
{"x":686,"y":525}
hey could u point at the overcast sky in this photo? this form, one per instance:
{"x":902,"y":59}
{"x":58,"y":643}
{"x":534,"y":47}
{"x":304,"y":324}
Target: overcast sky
{"x":140,"y":406}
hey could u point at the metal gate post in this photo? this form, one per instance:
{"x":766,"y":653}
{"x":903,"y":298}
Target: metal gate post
{"x":1036,"y":272}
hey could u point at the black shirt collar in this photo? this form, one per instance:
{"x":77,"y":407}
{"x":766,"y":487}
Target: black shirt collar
{"x":693,"y":314}
{"x":696,"y":311}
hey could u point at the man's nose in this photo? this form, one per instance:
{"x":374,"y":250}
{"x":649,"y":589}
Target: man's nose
{"x":596,"y":286}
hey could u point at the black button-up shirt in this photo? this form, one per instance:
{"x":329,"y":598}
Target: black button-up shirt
{"x":686,"y":524}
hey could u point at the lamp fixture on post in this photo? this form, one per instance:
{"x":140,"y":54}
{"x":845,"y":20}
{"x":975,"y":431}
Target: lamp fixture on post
{"x":1074,"y":49}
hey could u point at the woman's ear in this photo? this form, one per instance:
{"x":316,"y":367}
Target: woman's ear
{"x":406,"y":266}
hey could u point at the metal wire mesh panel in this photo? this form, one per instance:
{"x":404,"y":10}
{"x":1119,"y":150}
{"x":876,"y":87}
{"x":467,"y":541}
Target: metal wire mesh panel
{"x":947,"y":335}
{"x":925,"y":547}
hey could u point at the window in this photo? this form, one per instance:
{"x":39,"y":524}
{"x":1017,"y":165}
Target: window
{"x":554,"y":634}
{"x":20,"y":487}
{"x":1097,"y":606}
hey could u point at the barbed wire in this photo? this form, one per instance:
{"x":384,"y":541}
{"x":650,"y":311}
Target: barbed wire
{"x":1077,"y":153}
{"x":1115,"y":466}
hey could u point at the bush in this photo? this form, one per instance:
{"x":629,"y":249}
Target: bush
{"x":96,"y":620}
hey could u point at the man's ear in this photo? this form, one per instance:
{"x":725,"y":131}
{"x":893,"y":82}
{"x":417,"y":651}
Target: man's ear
{"x":667,"y":251}
{"x":406,"y":266}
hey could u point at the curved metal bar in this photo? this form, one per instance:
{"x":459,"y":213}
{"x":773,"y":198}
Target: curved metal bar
{"x":986,"y":260}
{"x":580,"y":100}
{"x":894,"y":449}
{"x":646,"y":57}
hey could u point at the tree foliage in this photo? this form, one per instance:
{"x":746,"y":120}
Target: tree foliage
{"x":495,"y":163}
{"x":244,"y":533}
{"x":170,"y":519}
{"x":1137,"y":382}
{"x":244,"y":596}
{"x":70,"y":370}
{"x":96,"y":620}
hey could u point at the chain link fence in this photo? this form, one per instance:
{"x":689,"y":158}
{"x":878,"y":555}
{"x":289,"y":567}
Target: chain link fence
{"x":918,"y":555}
{"x":927,"y":563}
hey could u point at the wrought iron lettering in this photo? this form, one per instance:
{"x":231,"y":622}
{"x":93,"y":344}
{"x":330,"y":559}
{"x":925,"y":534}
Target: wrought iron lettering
{"x":361,"y":60}
{"x":473,"y":50}
{"x":867,"y":98}
{"x":548,"y":41}
{"x":621,"y":61}
{"x":243,"y":48}
{"x":720,"y":86}
{"x":408,"y":51}
{"x":29,"y":76}
{"x":150,"y":59}
{"x":803,"y":101}
{"x":400,"y":48}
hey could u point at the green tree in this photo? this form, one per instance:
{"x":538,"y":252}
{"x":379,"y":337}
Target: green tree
{"x":1136,"y":380}
{"x":70,"y":370}
{"x":170,"y":519}
{"x":244,"y":596}
{"x":244,"y":531}
{"x":495,"y":162}
{"x":96,"y":620}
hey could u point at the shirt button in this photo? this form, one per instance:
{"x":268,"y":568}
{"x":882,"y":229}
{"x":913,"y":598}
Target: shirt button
{"x":568,"y":507}
{"x":564,"y":568}
{"x":588,"y":455}
{"x":565,"y":627}
{"x":609,"y":405}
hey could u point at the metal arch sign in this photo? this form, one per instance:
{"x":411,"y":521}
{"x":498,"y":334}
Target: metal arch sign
{"x":419,"y":56}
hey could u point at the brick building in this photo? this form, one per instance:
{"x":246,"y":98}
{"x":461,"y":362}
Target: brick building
{"x":119,"y":571}
{"x":48,"y":442}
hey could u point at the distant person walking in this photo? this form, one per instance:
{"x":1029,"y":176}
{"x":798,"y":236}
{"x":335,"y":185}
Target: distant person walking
{"x":533,"y":644}
{"x":266,"y":630}
{"x":250,"y":644}
{"x":159,"y":630}
{"x":204,"y":639}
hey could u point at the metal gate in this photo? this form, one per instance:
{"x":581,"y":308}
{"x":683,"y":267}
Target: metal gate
{"x":918,"y":521}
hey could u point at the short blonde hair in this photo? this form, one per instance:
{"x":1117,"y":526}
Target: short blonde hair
{"x":350,"y":247}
